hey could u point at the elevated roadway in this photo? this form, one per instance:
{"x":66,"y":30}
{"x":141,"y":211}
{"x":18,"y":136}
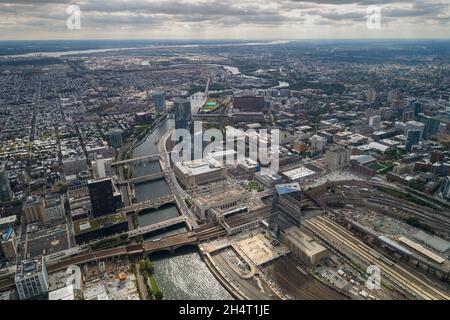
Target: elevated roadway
{"x":156,"y":226}
{"x":148,"y":204}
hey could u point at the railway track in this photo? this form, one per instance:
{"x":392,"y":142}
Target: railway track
{"x":396,"y":274}
{"x":262,"y":213}
{"x":440,"y":220}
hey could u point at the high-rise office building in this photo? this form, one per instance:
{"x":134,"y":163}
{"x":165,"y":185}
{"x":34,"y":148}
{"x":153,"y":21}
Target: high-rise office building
{"x":436,"y":156}
{"x":183,"y":114}
{"x":101,"y":167}
{"x":416,"y":107}
{"x":393,"y":95}
{"x":375,"y":121}
{"x":54,"y":207}
{"x":31,"y":278}
{"x":446,"y":188}
{"x":286,"y":208}
{"x":412,"y":139}
{"x":8,"y":242}
{"x":33,"y":209}
{"x":371,"y":95}
{"x":5,"y":188}
{"x":337,"y":157}
{"x":414,"y":125}
{"x":102,"y":198}
{"x":160,"y":101}
{"x":431,"y":125}
{"x":249,"y":104}
{"x":115,"y":139}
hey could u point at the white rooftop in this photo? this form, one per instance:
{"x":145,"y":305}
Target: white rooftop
{"x":374,"y":146}
{"x":65,"y":293}
{"x":298,"y":173}
{"x":199,"y":166}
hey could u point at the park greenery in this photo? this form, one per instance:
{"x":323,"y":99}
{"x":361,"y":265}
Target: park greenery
{"x":148,"y":270}
{"x":110,"y":243}
{"x":254,"y":185}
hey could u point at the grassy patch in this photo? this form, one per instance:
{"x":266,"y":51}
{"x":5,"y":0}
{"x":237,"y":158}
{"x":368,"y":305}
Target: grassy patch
{"x":153,"y":289}
{"x":254,"y":185}
{"x":412,"y":221}
{"x":110,"y":243}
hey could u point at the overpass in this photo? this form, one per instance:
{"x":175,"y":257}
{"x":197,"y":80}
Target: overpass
{"x":153,"y":203}
{"x":265,"y":193}
{"x":145,"y":178}
{"x":157,"y":226}
{"x":150,"y":158}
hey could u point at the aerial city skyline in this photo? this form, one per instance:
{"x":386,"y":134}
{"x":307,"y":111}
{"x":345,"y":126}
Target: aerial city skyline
{"x":225,"y":157}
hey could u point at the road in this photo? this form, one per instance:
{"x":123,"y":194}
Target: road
{"x":175,"y":188}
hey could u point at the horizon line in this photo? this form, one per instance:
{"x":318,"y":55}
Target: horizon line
{"x":226,"y":39}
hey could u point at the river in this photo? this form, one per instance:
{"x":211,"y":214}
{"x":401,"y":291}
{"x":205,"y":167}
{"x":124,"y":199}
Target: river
{"x":182,"y":275}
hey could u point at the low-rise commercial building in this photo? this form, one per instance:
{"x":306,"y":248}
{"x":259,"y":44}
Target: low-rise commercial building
{"x":87,"y":230}
{"x":303,"y":246}
{"x":54,"y":207}
{"x":64,"y":293}
{"x":219,"y":197}
{"x":298,"y":174}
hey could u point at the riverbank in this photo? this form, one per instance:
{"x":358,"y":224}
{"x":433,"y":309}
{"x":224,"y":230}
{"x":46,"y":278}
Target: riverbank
{"x":221,"y":277}
{"x":141,"y":137}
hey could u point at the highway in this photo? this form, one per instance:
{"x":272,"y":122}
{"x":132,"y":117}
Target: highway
{"x":175,"y":188}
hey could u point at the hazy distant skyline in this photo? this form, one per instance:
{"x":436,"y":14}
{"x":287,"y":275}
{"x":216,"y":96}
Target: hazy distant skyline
{"x":223,"y":19}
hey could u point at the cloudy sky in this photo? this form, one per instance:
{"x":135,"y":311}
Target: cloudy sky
{"x":224,"y":19}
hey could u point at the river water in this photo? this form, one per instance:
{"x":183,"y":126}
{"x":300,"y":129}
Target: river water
{"x":182,"y":275}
